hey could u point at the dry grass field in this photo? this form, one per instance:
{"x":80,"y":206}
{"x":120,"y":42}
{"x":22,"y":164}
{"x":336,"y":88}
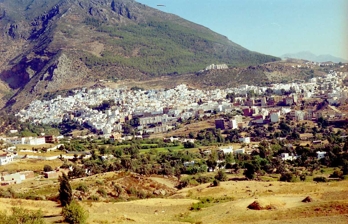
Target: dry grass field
{"x":29,"y":164}
{"x":184,"y":131}
{"x":329,"y":205}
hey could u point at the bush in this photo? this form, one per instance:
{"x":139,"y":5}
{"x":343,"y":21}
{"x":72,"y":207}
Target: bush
{"x":82,"y":187}
{"x":221,"y":175}
{"x":118,"y":190}
{"x":102,"y":192}
{"x":94,"y":198}
{"x":99,"y":182}
{"x":65,"y":166}
{"x":203,"y":179}
{"x":287,"y":177}
{"x":47,"y":168}
{"x":209,"y":201}
{"x":22,"y":216}
{"x":303,"y":177}
{"x":216,"y":183}
{"x":74,"y":213}
{"x":320,"y":179}
{"x":337,"y":174}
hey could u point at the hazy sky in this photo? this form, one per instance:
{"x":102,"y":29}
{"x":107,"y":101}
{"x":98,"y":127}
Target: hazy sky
{"x":272,"y":27}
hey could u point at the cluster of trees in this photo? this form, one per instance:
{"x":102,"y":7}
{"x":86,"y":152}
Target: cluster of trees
{"x":267,"y":160}
{"x":25,"y":129}
{"x":264,"y":160}
{"x":72,"y":212}
{"x":105,"y":105}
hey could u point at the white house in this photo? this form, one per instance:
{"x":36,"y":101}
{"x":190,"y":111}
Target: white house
{"x":6,"y":158}
{"x":233,"y":124}
{"x":274,"y":115}
{"x":26,"y":141}
{"x":190,"y":163}
{"x":286,"y":156}
{"x":239,"y":151}
{"x":227,"y":150}
{"x":245,"y":140}
{"x":35,"y":141}
{"x":16,"y":177}
{"x":300,"y":115}
{"x":320,"y":155}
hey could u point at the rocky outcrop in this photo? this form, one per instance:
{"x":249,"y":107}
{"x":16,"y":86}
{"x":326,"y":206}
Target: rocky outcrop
{"x":218,"y":67}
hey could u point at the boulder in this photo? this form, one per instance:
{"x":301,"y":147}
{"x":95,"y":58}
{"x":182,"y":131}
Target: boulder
{"x":307,"y":199}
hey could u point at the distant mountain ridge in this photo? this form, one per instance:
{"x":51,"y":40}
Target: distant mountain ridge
{"x":50,"y":45}
{"x":306,"y":55}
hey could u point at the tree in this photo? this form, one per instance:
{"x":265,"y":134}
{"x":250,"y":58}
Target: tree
{"x":77,"y":172}
{"x":221,"y":176}
{"x":65,"y":192}
{"x":287,"y":177}
{"x":250,"y":170}
{"x":345,"y":146}
{"x":74,"y":213}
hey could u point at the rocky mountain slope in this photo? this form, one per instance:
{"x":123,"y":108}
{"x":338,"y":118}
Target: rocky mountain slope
{"x":50,"y":45}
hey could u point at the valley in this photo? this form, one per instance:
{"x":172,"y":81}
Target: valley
{"x":112,"y":111}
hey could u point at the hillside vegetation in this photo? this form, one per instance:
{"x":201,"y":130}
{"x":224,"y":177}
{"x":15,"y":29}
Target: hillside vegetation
{"x":59,"y":45}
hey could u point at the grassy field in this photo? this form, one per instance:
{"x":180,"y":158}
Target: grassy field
{"x":46,"y":154}
{"x":30,"y":147}
{"x":29,"y":164}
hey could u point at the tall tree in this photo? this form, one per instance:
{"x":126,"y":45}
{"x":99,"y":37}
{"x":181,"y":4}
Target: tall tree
{"x":65,"y":192}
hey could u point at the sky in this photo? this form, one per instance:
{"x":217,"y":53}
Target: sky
{"x":274,"y":27}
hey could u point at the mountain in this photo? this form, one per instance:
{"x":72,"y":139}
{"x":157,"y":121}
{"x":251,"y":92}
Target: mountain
{"x":306,"y":55}
{"x":50,"y":45}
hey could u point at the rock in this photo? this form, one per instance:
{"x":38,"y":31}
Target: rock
{"x":255,"y":206}
{"x":157,"y":192}
{"x":307,"y":199}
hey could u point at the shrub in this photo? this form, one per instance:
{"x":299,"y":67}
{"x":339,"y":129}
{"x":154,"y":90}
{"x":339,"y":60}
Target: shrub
{"x":320,"y":179}
{"x":99,"y":182}
{"x":102,"y":192}
{"x":183,"y":183}
{"x":74,"y":213}
{"x":209,"y":201}
{"x":65,"y":166}
{"x":94,"y":198}
{"x":22,"y":216}
{"x":288,"y":177}
{"x":118,"y":190}
{"x":303,"y":177}
{"x":216,"y":183}
{"x":221,"y":175}
{"x":141,"y":194}
{"x":203,"y":179}
{"x":337,"y":174}
{"x":82,"y":187}
{"x":47,"y":168}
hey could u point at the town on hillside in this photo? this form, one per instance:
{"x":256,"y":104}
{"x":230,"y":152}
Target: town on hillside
{"x":235,"y":121}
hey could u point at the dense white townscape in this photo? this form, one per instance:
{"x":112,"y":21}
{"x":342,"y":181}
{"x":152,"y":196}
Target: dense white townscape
{"x":167,"y":106}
